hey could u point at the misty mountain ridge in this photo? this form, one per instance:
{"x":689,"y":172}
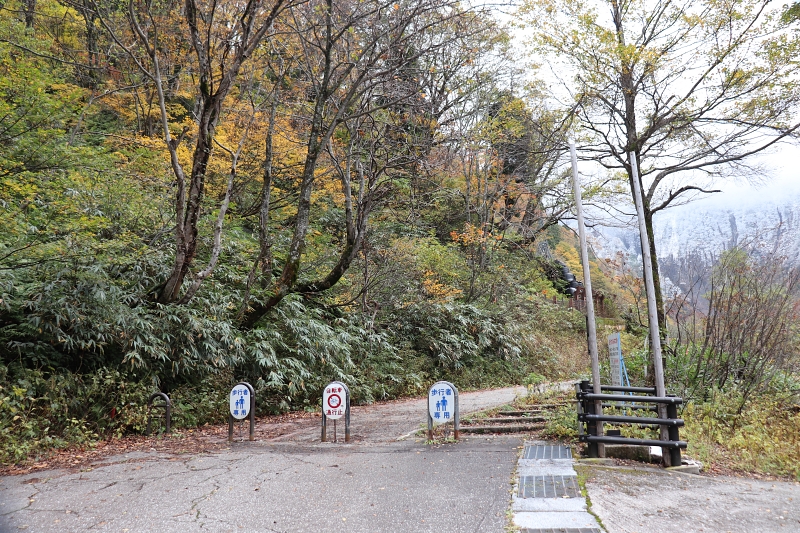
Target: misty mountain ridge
{"x":765,"y":222}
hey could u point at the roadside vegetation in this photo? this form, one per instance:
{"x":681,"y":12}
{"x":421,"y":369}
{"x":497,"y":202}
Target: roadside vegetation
{"x":734,"y":358}
{"x":311,"y":192}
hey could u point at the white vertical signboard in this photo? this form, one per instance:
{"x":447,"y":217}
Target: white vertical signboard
{"x":334,"y":400}
{"x":615,"y":357}
{"x":441,"y":403}
{"x":240,"y":402}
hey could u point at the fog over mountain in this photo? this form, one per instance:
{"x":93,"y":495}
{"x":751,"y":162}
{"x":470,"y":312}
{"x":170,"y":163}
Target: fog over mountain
{"x":766,"y":220}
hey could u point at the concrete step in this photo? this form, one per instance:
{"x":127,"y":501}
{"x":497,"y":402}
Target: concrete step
{"x":504,"y":428}
{"x":534,"y":409}
{"x":528,"y":412}
{"x":505,"y":420}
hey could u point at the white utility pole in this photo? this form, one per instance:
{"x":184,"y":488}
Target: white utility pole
{"x":652,"y":312}
{"x":591,"y":326}
{"x":587,"y":278}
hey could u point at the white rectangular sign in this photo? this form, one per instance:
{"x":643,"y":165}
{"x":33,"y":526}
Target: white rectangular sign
{"x":442,"y":403}
{"x":615,"y":356}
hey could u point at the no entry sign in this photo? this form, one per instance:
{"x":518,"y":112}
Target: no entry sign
{"x":335,"y":405}
{"x":334,"y":400}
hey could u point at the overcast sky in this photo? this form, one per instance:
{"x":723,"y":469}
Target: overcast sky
{"x":781,"y":178}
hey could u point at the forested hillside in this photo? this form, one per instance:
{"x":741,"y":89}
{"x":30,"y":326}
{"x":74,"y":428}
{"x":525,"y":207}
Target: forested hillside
{"x":290,"y":192}
{"x":285,"y":193}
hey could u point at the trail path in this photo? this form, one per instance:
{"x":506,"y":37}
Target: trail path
{"x":389,"y":421}
{"x":286,"y":481}
{"x":386,"y":480}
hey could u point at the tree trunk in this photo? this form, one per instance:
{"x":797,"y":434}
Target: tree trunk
{"x":30,"y":12}
{"x":662,"y":321}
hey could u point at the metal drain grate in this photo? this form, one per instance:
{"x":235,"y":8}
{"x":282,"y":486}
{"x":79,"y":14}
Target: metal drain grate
{"x":547,"y":452}
{"x":549,"y":487}
{"x":562,"y":530}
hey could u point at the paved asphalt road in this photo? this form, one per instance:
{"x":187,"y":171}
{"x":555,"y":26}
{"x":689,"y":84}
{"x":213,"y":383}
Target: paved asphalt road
{"x":403,"y":486}
{"x":291,"y":483}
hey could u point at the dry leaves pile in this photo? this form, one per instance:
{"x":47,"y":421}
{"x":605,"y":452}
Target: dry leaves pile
{"x":205,"y":439}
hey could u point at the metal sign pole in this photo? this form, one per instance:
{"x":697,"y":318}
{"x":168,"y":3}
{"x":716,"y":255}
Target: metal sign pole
{"x":347,"y":414}
{"x":591,"y":326}
{"x":252,"y":416}
{"x":457,"y":413}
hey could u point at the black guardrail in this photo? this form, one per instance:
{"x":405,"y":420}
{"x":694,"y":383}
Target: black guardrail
{"x":634,"y":407}
{"x":612,"y":388}
{"x":591,"y":434}
{"x":639,"y":442}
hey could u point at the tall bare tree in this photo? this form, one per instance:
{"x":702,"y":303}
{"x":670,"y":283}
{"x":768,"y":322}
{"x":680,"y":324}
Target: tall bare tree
{"x":367,"y":116}
{"x":691,"y":89}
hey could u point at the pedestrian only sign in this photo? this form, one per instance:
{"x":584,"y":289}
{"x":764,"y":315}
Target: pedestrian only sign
{"x":240,"y":402}
{"x":442,"y":402}
{"x":334,"y":400}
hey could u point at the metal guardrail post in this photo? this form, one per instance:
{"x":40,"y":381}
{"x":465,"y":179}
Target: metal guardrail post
{"x":579,"y":406}
{"x":674,"y":435}
{"x":591,"y":425}
{"x":167,"y":412}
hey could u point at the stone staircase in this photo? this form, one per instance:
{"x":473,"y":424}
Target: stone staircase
{"x":519,"y":421}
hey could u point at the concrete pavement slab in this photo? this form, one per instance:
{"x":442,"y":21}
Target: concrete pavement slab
{"x":276,"y":487}
{"x":547,"y":496}
{"x":652,"y":500}
{"x":556,"y":520}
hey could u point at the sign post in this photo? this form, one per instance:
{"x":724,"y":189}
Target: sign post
{"x":443,"y":406}
{"x":335,"y":405}
{"x":615,"y":358}
{"x":242,"y":404}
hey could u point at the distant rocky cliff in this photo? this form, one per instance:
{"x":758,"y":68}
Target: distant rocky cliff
{"x":695,"y":234}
